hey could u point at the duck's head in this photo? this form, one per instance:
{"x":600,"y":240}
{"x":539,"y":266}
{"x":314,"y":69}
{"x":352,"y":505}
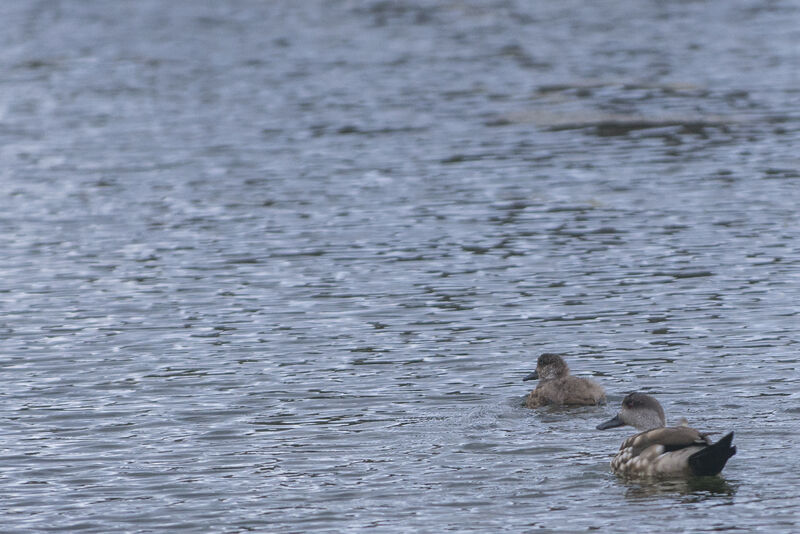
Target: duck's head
{"x":549,"y":367}
{"x":640,"y":411}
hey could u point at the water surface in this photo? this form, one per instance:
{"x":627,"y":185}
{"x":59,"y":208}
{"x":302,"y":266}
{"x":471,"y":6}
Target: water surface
{"x":282,"y":266}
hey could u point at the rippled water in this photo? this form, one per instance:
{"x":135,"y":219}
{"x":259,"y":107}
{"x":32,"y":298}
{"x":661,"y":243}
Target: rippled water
{"x":283,"y":265}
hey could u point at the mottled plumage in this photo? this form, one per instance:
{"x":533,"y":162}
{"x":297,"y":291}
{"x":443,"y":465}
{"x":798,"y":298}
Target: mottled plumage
{"x":556,"y":386}
{"x":662,"y":451}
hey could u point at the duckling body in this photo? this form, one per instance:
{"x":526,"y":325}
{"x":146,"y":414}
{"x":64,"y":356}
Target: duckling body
{"x":556,"y":386}
{"x":662,"y":451}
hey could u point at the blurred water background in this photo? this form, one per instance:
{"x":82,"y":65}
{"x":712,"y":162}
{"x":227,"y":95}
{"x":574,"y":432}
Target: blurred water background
{"x":281,"y":266}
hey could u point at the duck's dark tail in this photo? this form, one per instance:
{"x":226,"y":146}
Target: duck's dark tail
{"x":712,"y":459}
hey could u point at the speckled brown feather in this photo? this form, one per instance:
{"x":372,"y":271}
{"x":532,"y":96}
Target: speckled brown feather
{"x":662,"y":452}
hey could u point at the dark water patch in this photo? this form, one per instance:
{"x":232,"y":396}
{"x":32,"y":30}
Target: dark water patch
{"x":684,"y":274}
{"x":624,"y":126}
{"x":781,"y":173}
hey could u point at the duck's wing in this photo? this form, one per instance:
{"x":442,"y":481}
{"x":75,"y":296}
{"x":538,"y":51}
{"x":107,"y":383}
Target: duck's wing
{"x":670,"y":438}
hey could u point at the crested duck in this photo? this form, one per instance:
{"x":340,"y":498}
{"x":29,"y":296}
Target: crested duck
{"x":661,"y":451}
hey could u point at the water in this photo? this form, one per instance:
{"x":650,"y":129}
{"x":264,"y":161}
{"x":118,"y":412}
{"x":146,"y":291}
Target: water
{"x":281,"y":266}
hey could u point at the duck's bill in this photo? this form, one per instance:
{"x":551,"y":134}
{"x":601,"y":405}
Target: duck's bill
{"x":533,"y":376}
{"x":611,"y":423}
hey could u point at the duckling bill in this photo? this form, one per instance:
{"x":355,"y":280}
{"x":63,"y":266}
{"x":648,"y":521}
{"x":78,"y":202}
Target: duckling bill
{"x":556,"y":386}
{"x":664,"y":451}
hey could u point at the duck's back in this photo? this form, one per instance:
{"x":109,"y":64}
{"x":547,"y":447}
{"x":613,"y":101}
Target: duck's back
{"x":569,"y":390}
{"x":659,"y":452}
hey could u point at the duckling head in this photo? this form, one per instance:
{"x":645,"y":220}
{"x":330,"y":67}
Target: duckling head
{"x":549,"y":367}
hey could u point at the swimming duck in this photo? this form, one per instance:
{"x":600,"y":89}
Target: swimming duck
{"x":556,"y":386}
{"x":664,"y":451}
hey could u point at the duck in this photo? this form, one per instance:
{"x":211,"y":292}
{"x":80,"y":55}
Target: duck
{"x":661,"y":451}
{"x":557,"y":387}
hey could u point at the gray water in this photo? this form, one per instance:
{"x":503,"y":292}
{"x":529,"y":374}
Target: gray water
{"x":281,"y":266}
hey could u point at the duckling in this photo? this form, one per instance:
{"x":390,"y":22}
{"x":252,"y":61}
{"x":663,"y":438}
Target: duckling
{"x":660,"y":451}
{"x":556,"y":386}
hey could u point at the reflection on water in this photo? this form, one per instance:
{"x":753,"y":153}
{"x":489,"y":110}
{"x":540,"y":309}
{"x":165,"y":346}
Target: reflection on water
{"x":693,"y":489}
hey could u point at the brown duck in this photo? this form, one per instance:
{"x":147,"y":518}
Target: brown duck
{"x":556,"y":386}
{"x":661,"y":451}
